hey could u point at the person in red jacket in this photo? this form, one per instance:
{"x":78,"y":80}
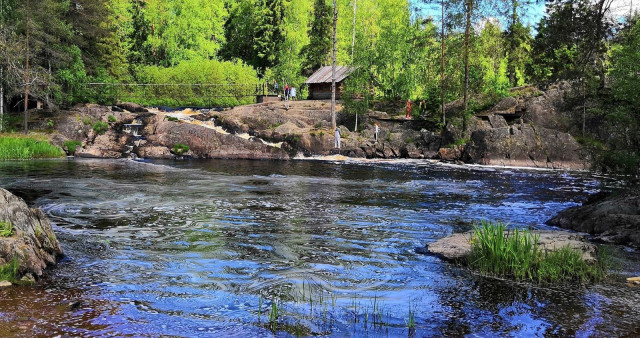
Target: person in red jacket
{"x":408,"y":109}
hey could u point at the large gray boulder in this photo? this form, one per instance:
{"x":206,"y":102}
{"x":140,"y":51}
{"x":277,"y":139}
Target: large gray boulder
{"x":33,"y":242}
{"x":614,"y":219}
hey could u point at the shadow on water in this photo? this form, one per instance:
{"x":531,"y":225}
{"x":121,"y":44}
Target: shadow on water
{"x":194,"y":248}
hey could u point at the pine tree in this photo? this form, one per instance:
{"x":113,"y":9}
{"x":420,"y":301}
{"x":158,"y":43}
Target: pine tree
{"x":318,"y":51}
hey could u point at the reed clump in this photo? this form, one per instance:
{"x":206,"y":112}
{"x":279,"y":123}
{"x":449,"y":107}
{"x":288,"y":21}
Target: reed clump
{"x":517,"y":254}
{"x":25,"y":148}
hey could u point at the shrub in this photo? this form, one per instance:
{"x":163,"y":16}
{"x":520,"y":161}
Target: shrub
{"x":517,"y":254}
{"x":71,"y":146}
{"x":100,"y":127}
{"x":112,"y":119}
{"x":180,"y":149}
{"x":86,"y":121}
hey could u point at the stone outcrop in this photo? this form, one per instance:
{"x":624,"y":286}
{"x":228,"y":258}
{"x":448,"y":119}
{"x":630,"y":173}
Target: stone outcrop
{"x":523,"y":144}
{"x":614,"y":219}
{"x":33,"y":242}
{"x":458,"y":246}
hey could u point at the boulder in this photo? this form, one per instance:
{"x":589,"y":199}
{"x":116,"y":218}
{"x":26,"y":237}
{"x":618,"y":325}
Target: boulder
{"x":33,"y":242}
{"x":614,"y":219}
{"x":458,"y":245}
{"x":131,"y":107}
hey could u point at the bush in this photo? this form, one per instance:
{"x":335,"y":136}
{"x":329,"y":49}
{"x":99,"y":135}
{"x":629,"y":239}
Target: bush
{"x":517,"y":254}
{"x":180,"y":149}
{"x":71,"y":146}
{"x":100,"y":127}
{"x":23,"y":148}
{"x":112,"y":119}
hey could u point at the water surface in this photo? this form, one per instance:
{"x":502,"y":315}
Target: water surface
{"x":201,"y":248}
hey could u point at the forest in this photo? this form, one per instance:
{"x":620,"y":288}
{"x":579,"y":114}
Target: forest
{"x":467,"y":51}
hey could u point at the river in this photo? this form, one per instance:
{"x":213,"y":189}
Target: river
{"x":210,"y":248}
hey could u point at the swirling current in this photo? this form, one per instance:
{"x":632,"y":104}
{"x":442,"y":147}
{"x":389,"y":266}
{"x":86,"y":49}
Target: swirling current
{"x":213,"y":248}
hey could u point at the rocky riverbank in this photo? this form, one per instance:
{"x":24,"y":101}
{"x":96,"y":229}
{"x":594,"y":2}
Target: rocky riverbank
{"x":521,"y":131}
{"x":613,"y":219}
{"x":27,"y":240}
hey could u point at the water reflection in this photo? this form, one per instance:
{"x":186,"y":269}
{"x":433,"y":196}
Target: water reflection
{"x":194,"y":248}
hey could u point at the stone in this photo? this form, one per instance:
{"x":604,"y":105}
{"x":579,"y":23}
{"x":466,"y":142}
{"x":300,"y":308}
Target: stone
{"x":613,"y":219}
{"x":4,"y":284}
{"x":458,"y":245}
{"x":634,"y":280}
{"x":33,"y":242}
{"x":132,"y":107}
{"x":497,"y":121}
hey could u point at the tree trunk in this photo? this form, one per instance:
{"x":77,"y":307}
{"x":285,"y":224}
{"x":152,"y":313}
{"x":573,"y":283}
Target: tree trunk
{"x":442,"y":94}
{"x":1,"y":98}
{"x":333,"y":68}
{"x":512,"y":45}
{"x":26,"y":83}
{"x":353,"y":41}
{"x":467,"y":33}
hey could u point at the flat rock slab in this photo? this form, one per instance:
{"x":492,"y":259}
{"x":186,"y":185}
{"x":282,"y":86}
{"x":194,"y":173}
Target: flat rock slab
{"x":458,"y":246}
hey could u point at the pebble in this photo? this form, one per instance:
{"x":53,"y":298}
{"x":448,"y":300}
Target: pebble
{"x":4,"y":284}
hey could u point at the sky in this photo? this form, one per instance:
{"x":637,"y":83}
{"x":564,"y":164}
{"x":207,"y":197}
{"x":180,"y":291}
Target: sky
{"x":535,"y":10}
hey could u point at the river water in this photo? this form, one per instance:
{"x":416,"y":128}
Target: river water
{"x":209,"y":248}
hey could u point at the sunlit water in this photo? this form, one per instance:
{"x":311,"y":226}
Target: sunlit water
{"x":204,"y":248}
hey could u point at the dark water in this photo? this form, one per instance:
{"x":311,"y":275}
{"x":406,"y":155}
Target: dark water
{"x":204,"y":248}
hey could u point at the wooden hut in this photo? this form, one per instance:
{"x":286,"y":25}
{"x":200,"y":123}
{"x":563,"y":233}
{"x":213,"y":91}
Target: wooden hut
{"x":320,"y":82}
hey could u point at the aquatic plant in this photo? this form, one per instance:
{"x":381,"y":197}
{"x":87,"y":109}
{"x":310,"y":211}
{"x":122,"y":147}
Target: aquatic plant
{"x":100,"y":127}
{"x":180,"y":148}
{"x":22,"y":148}
{"x":71,"y":146}
{"x":518,"y":254}
{"x":6,"y":229}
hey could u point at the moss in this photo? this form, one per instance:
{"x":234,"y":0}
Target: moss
{"x":180,"y":149}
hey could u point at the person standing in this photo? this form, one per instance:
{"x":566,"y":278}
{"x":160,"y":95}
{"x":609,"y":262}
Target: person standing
{"x":376,"y":130}
{"x":275,"y":86}
{"x":338,"y":134}
{"x":408,"y":109}
{"x":293,"y":93}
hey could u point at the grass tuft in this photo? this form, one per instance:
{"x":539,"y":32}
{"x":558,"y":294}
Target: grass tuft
{"x":6,"y":229}
{"x":180,"y":149}
{"x":517,"y":254}
{"x":22,"y":148}
{"x":9,"y":271}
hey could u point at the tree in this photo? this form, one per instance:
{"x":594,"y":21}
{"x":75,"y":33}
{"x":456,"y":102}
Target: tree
{"x":316,"y":53}
{"x":269,"y":34}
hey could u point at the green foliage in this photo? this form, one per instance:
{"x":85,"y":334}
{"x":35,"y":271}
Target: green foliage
{"x":112,"y":119}
{"x":517,"y":254}
{"x":318,"y":52}
{"x":100,"y":127}
{"x":233,"y":81}
{"x":86,"y":121}
{"x":71,"y":146}
{"x":6,"y":229}
{"x":172,"y":119}
{"x":180,"y":149}
{"x":9,"y":271}
{"x":18,"y":148}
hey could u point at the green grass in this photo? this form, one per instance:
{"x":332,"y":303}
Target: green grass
{"x":517,"y":254}
{"x":24,"y":148}
{"x":180,"y":148}
{"x":112,"y":119}
{"x":9,"y":271}
{"x":6,"y":229}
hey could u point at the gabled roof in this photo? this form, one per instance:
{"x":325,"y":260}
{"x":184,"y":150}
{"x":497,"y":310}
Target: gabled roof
{"x":323,"y":75}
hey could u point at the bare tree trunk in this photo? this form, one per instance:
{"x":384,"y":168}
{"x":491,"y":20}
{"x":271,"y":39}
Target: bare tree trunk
{"x":1,"y":98}
{"x":442,"y":94}
{"x":26,"y":82}
{"x":353,"y":40}
{"x":333,"y":68}
{"x":467,"y":33}
{"x":512,"y":45}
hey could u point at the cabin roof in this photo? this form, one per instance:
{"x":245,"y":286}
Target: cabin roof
{"x":323,"y":75}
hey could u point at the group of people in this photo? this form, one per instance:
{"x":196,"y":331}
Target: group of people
{"x":289,"y":92}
